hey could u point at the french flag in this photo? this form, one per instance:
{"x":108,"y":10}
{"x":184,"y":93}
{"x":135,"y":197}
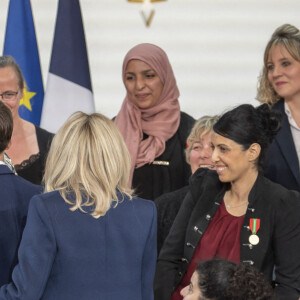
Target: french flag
{"x":69,"y":87}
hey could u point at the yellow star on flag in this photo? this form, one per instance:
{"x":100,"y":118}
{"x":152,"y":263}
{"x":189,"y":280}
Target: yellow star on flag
{"x":26,"y":98}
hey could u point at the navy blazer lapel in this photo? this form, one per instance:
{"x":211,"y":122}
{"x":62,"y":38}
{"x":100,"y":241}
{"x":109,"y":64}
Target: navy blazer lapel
{"x":285,"y":142}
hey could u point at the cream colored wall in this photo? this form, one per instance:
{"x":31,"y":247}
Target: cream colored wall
{"x":215,"y":46}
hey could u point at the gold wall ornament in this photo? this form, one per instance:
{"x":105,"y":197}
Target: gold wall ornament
{"x":147,"y":11}
{"x":148,"y":19}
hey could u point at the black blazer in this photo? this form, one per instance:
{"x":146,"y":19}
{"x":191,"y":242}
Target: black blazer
{"x":278,"y":210}
{"x":282,"y":164}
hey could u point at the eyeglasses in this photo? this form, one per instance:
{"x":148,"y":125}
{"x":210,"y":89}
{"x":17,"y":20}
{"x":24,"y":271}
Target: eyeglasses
{"x":8,"y":96}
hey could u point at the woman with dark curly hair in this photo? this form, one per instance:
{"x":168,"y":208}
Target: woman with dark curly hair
{"x":224,"y":280}
{"x":235,"y":213}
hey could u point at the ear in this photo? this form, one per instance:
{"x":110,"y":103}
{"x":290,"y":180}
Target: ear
{"x":254,"y":152}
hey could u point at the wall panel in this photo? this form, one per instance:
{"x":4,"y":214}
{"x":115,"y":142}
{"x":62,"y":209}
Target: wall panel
{"x":215,"y":46}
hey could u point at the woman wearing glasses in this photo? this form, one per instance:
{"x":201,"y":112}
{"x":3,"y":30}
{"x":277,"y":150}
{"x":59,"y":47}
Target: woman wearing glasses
{"x":29,"y":143}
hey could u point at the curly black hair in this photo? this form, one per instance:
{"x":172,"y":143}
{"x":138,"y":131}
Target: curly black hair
{"x":248,"y":283}
{"x":224,"y":280}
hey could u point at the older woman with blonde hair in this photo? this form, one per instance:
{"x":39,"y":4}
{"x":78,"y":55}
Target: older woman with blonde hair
{"x":198,"y":155}
{"x":279,"y":86}
{"x":198,"y":149}
{"x":78,"y":234}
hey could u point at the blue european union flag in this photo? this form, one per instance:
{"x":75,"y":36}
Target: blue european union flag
{"x":20,"y":42}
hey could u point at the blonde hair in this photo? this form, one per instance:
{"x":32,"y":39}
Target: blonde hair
{"x":89,"y":159}
{"x":202,"y":126}
{"x":288,"y":36}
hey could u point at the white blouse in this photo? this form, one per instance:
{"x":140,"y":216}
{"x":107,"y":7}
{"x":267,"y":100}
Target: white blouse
{"x":294,"y":129}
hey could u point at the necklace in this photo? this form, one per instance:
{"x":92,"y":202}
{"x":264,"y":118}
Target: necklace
{"x":229,"y":206}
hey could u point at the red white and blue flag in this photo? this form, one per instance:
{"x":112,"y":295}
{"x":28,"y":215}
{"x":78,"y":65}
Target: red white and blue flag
{"x":69,"y":87}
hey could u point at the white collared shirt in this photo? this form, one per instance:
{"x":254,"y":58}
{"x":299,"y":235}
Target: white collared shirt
{"x":294,"y":129}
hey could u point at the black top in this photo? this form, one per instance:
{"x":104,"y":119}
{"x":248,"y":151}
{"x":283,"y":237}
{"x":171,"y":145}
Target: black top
{"x":151,"y":180}
{"x":32,"y":169}
{"x":168,"y":206}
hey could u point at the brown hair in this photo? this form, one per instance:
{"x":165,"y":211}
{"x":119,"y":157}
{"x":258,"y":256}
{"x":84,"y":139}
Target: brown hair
{"x":224,"y":280}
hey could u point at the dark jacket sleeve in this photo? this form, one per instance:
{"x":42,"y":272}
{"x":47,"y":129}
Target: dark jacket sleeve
{"x":168,"y":206}
{"x":36,"y":255}
{"x":168,"y":265}
{"x":168,"y":270}
{"x":287,"y":247}
{"x":149,"y":259}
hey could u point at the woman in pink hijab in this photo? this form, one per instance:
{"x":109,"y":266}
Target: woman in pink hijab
{"x":151,"y":123}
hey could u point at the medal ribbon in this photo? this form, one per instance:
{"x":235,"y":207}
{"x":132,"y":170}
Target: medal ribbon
{"x":254,"y":225}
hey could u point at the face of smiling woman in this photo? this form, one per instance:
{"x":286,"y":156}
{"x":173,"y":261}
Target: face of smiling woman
{"x":142,"y":83}
{"x":233,"y":164}
{"x":284,"y":73}
{"x":200,"y":155}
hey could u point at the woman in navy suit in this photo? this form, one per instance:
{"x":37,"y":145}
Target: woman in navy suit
{"x":279,"y":86}
{"x":15,"y":195}
{"x":87,"y":237}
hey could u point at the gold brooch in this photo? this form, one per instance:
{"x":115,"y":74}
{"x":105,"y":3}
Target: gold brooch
{"x":161,"y":163}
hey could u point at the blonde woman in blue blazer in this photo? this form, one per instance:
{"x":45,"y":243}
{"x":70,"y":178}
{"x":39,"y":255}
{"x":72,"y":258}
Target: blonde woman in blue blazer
{"x":87,"y":237}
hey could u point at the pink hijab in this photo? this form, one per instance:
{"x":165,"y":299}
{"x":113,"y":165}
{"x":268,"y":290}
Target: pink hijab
{"x":159,"y":122}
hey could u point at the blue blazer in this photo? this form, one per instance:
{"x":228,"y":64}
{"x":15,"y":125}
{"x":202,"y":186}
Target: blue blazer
{"x":14,"y":200}
{"x":71,"y":255}
{"x":281,"y":164}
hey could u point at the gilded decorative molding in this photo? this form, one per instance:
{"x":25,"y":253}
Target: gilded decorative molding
{"x":147,"y":11}
{"x":142,"y":1}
